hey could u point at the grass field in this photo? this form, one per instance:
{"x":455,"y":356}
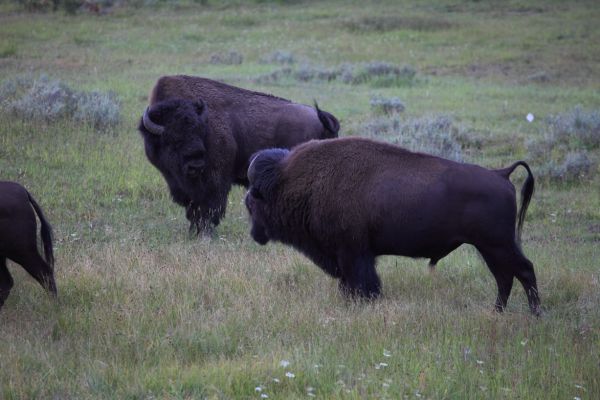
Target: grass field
{"x":144,"y":311}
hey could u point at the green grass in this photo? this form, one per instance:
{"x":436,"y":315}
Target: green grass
{"x":146,"y":312}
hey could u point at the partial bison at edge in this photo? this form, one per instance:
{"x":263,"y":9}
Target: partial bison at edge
{"x":343,"y":202}
{"x":18,"y":238}
{"x":200,"y":134}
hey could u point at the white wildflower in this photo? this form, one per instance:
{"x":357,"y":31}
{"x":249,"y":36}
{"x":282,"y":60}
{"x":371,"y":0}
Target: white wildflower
{"x":530,"y":117}
{"x":289,"y":375}
{"x":284,"y":363}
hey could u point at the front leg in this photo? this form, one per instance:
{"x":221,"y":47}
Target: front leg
{"x":358,"y":275}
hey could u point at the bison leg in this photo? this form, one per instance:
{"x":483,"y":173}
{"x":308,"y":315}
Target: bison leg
{"x":358,"y":276}
{"x":6,"y":281}
{"x":525,"y":274}
{"x":499,"y":264}
{"x":506,"y":263}
{"x":39,"y":269}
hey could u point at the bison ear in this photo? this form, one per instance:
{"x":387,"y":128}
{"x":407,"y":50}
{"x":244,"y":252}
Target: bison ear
{"x":201,"y":110}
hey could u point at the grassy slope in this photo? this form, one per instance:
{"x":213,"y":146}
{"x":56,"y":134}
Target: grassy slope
{"x":144,"y":310}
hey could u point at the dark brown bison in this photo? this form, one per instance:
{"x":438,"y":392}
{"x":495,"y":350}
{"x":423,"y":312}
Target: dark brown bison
{"x":18,"y":238}
{"x":200,"y":134}
{"x":343,"y":202}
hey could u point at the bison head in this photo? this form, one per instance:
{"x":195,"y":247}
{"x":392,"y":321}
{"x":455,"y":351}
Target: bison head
{"x":263,"y":176}
{"x":174,"y":133}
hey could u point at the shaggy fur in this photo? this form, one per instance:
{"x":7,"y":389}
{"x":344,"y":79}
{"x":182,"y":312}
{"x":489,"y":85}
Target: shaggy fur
{"x":18,"y":238}
{"x":210,"y":131}
{"x":343,"y":202}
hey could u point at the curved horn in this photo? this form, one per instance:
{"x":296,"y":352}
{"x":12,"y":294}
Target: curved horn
{"x":251,"y":173}
{"x":152,"y":127}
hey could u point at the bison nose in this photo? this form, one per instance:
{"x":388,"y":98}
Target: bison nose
{"x":193,"y":169}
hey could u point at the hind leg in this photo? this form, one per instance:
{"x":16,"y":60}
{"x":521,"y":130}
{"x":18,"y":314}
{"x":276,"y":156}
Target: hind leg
{"x":525,"y":274}
{"x":6,"y":281}
{"x":507,"y":262}
{"x":358,"y":276}
{"x":499,"y":264}
{"x":39,"y":269}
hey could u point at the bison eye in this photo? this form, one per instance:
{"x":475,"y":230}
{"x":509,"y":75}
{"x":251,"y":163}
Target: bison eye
{"x":194,"y":168}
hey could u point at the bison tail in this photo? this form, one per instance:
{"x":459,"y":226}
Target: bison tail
{"x":45,"y":232}
{"x":526,"y":193}
{"x":331,"y":124}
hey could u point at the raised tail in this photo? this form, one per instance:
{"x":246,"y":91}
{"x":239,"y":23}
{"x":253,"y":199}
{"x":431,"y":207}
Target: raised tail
{"x":526,"y":192}
{"x":331,"y":124}
{"x":45,"y":232}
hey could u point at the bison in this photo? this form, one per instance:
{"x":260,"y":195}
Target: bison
{"x":18,"y":238}
{"x":343,"y":202}
{"x":200,"y":134}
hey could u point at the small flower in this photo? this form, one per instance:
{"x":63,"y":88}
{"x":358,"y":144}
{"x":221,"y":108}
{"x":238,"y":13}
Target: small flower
{"x":264,"y":396}
{"x":284,"y":363}
{"x":289,"y":375}
{"x":524,"y":342}
{"x":258,"y":389}
{"x":530,"y":117}
{"x":386,"y":353}
{"x":480,"y":362}
{"x":276,"y":380}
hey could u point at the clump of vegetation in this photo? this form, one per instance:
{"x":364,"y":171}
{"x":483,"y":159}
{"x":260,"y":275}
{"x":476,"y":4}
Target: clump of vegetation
{"x":50,"y":100}
{"x":437,"y":135}
{"x":307,"y":73}
{"x":564,"y":151}
{"x":279,"y":57}
{"x":385,"y":105}
{"x":390,"y":23}
{"x":377,"y":73}
{"x":230,"y":58}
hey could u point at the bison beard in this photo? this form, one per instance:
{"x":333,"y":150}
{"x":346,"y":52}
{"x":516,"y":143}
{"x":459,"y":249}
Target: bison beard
{"x":343,"y":202}
{"x":201,"y":133}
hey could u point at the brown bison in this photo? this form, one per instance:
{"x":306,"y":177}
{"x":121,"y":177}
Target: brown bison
{"x":343,"y":202}
{"x":200,"y":134}
{"x":18,"y":238}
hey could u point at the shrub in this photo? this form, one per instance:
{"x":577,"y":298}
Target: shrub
{"x":563,"y":151}
{"x":307,"y":73}
{"x":431,"y":134}
{"x":278,"y":57}
{"x":231,"y":58}
{"x":50,"y":100}
{"x":390,"y":23}
{"x":384,"y":105}
{"x":273,"y":77}
{"x":377,"y":74}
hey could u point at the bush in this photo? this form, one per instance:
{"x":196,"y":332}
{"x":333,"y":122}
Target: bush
{"x":390,"y":23}
{"x":231,"y":58}
{"x":386,"y":106}
{"x":563,"y":151}
{"x":278,"y":57}
{"x":378,"y":74}
{"x":50,"y":100}
{"x":431,"y":134}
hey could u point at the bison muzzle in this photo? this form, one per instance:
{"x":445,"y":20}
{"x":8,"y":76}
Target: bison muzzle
{"x":343,"y":202}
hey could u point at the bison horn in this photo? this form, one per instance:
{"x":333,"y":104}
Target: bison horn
{"x":151,"y":126}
